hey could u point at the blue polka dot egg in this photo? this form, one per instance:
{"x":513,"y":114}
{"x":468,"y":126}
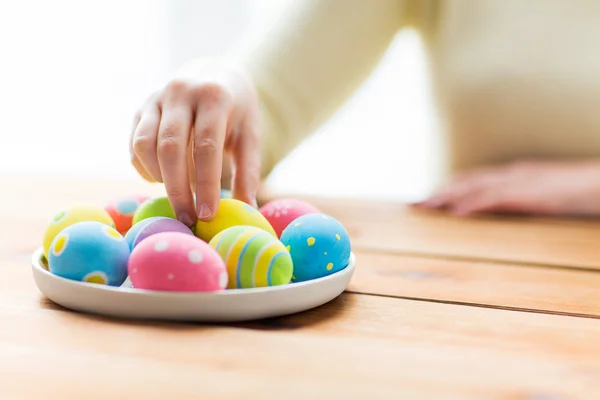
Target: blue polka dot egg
{"x":91,"y":252}
{"x":319,"y":245}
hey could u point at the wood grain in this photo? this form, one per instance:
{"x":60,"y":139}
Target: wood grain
{"x":355,"y":347}
{"x":539,"y":289}
{"x":383,"y":346}
{"x":395,"y":228}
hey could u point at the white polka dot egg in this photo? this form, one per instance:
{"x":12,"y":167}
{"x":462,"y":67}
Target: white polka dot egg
{"x":175,"y":261}
{"x":89,"y":251}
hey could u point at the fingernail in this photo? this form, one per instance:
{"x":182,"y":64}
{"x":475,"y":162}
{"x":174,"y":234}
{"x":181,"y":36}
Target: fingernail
{"x":204,"y":211}
{"x":185,"y":218}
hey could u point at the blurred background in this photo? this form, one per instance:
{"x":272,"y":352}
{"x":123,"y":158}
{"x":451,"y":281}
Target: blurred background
{"x":74,"y":72}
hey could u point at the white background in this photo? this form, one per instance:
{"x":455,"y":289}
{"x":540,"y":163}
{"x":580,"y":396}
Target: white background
{"x":72,"y":74}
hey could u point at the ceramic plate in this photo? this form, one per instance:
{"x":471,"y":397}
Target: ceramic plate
{"x":232,"y":305}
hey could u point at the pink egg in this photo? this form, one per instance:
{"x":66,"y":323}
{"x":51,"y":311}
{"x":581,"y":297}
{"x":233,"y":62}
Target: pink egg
{"x":175,"y":261}
{"x":280,"y":213}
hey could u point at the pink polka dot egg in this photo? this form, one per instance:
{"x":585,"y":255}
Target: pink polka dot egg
{"x":176,"y":262}
{"x":281,"y":212}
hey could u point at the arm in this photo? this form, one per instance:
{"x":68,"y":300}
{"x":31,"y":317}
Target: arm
{"x":311,"y":61}
{"x":293,"y":78}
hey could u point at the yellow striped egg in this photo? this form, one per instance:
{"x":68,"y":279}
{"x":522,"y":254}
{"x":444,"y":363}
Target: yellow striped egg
{"x":253,"y":256}
{"x":232,"y":212}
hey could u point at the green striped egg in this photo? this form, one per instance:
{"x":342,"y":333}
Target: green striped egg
{"x":253,"y":256}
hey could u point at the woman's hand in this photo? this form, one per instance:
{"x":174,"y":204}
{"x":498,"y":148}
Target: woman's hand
{"x":182,"y":133}
{"x":538,"y":188}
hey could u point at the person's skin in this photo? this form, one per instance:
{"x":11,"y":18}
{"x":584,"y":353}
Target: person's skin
{"x":185,"y":131}
{"x":210,"y":110}
{"x":568,"y":188}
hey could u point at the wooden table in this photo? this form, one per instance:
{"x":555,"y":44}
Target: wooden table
{"x":439,"y":307}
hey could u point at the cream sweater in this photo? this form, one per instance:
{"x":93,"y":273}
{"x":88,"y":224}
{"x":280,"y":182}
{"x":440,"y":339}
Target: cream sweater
{"x":513,"y":78}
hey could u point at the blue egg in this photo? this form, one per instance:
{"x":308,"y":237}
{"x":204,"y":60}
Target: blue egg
{"x":319,"y":245}
{"x":127,"y":206}
{"x":91,"y":252}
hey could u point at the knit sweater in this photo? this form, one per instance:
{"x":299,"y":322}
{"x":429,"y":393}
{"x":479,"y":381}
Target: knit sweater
{"x":512,"y":79}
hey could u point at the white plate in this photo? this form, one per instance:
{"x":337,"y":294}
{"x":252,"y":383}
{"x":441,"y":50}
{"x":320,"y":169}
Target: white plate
{"x":232,"y":305}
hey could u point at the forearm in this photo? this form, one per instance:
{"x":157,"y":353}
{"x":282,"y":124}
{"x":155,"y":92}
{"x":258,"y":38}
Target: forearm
{"x":311,"y":62}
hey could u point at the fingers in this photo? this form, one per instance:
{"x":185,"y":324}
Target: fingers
{"x":144,"y":142}
{"x":246,"y":166}
{"x":133,"y":157}
{"x":494,"y":200}
{"x":180,"y":140}
{"x":171,"y":151}
{"x":209,"y":136}
{"x":484,"y":201}
{"x":466,"y":186}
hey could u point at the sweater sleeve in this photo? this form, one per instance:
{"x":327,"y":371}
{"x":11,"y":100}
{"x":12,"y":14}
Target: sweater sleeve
{"x":310,"y":60}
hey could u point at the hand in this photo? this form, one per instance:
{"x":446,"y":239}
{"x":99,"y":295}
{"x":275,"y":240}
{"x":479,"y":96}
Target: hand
{"x":183,"y":132}
{"x":538,"y":188}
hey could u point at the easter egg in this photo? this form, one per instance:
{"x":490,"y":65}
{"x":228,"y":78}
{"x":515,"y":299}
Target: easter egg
{"x":318,"y":244}
{"x":281,"y":212}
{"x":74,"y":214}
{"x":152,"y":226}
{"x":121,"y":211}
{"x":254,"y":257}
{"x":226,"y":194}
{"x":153,"y":207}
{"x":232,"y":212}
{"x":44,"y":262}
{"x":90,"y":251}
{"x":175,"y":261}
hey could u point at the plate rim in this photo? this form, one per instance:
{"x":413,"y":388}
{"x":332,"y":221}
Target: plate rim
{"x":37,"y":267}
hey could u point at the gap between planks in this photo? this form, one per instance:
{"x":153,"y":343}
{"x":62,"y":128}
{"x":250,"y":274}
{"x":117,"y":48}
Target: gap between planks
{"x":476,"y":305}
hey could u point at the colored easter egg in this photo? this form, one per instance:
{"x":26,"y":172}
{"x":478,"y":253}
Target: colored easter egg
{"x":90,"y":251}
{"x":232,"y":212}
{"x":136,"y":228}
{"x":319,"y":245}
{"x":72,"y":215}
{"x":254,"y":257}
{"x":281,"y":212}
{"x":44,"y":262}
{"x":175,"y":261}
{"x":152,"y":226}
{"x":121,"y":211}
{"x":153,"y":207}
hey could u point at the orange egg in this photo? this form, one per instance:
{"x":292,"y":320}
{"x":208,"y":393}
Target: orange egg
{"x":122,"y":210}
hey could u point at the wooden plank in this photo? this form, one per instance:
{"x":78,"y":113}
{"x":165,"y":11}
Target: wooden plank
{"x":357,"y":346}
{"x":486,"y":284}
{"x":392,"y":227}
